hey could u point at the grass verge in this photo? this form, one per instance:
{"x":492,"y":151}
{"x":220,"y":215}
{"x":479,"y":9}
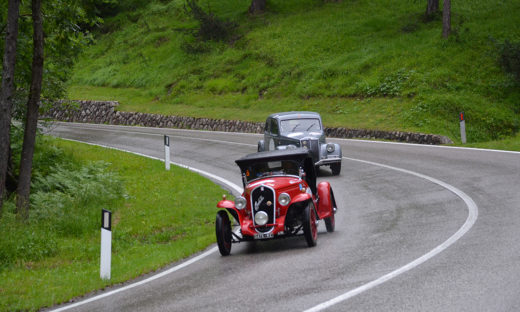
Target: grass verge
{"x":164,"y":216}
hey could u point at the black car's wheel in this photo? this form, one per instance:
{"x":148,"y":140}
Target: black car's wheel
{"x":310,"y":225}
{"x":330,"y":222}
{"x":223,"y":231}
{"x":335,"y":168}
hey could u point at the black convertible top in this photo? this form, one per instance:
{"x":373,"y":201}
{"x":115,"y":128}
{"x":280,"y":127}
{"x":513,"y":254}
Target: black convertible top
{"x":300,"y":155}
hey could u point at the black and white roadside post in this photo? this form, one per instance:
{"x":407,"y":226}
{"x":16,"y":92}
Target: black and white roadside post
{"x":462,"y":128}
{"x":167,"y":152}
{"x":106,"y":244}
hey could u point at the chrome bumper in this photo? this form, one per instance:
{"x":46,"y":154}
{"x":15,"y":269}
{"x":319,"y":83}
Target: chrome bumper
{"x":328,"y":161}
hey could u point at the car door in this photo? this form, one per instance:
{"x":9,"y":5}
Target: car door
{"x":271,"y":134}
{"x":274,"y":132}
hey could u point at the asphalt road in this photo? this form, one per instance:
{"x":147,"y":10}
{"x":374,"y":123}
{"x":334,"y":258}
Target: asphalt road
{"x":418,"y":228}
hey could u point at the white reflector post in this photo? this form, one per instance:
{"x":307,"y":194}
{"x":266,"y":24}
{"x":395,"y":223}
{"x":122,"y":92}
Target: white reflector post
{"x":462,"y":128}
{"x":106,"y":244}
{"x":167,"y":152}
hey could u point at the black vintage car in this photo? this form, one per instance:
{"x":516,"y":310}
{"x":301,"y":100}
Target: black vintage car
{"x":301,"y":129}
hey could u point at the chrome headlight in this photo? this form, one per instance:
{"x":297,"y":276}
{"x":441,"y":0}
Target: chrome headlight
{"x":261,"y":218}
{"x":240,"y":203}
{"x":284,"y":199}
{"x":330,"y":148}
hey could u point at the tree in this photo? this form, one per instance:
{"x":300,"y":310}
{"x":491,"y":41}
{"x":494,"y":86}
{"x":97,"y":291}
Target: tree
{"x":446,"y":18}
{"x":257,"y":6}
{"x":31,"y":120}
{"x":432,"y":7}
{"x":65,"y":25}
{"x":7,"y":91}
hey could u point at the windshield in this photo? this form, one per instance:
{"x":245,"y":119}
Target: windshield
{"x":272,"y":168}
{"x":300,"y":125}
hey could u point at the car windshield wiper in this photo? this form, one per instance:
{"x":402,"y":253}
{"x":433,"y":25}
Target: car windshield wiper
{"x":295,"y":127}
{"x":310,"y":127}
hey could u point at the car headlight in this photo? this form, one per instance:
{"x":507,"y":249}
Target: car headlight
{"x":330,"y":148}
{"x":240,"y":203}
{"x":261,"y":218}
{"x":284,"y":199}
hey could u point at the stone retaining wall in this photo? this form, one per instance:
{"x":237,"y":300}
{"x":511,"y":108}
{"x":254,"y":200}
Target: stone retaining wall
{"x":104,"y":112}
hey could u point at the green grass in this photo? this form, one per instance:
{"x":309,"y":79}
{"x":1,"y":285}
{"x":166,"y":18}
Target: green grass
{"x":361,"y":64}
{"x":509,"y":144}
{"x":165,"y":216}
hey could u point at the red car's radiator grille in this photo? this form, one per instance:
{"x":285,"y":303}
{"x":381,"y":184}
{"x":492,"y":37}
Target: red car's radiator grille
{"x":263,"y":199}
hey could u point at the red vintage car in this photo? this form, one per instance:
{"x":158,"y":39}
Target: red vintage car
{"x":280,"y":199}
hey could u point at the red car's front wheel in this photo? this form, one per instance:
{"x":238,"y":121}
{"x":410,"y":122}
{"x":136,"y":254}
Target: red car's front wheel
{"x":310,"y":225}
{"x":330,"y":222}
{"x":223,"y":231}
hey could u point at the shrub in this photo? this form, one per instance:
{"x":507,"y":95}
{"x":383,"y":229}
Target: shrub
{"x":211,"y":27}
{"x":509,"y":58}
{"x":66,"y":197}
{"x":70,"y":196}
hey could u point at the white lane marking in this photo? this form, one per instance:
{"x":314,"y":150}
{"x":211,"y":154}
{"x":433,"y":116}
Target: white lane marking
{"x":151,"y":278}
{"x":470,"y":221}
{"x":472,"y":217}
{"x":171,"y":270}
{"x":330,"y":138}
{"x":171,"y":136}
{"x":131,"y":129}
{"x":232,"y":185}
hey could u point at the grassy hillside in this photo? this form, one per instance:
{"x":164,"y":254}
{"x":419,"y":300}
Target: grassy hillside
{"x":361,"y":64}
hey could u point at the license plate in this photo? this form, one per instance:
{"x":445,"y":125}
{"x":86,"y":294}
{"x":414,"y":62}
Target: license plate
{"x":264,"y":235}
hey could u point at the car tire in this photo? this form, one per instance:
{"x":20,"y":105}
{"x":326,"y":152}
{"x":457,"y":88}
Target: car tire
{"x":330,"y":222}
{"x":261,"y":146}
{"x":223,"y":232}
{"x":335,"y":168}
{"x":310,"y":226}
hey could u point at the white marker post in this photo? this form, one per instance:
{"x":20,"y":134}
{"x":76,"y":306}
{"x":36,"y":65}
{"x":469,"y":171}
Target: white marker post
{"x":462,"y":128}
{"x":106,"y":244}
{"x":167,"y":152}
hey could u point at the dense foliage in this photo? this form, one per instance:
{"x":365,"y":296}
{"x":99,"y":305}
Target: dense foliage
{"x":509,"y":58}
{"x":66,"y":28}
{"x":211,"y":27}
{"x":65,"y":200}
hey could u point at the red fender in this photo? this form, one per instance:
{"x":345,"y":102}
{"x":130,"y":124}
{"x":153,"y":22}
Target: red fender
{"x":301,"y":197}
{"x":325,"y":208}
{"x":229,"y":205}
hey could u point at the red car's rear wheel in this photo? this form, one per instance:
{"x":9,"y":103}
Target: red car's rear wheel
{"x":223,"y":231}
{"x":310,"y":226}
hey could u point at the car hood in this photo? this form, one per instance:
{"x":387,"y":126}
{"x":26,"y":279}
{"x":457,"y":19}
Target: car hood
{"x":305,"y":135}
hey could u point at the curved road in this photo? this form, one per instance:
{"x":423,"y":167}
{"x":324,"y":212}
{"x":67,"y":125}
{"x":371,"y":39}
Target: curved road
{"x":407,"y":234}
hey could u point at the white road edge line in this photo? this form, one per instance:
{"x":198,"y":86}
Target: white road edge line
{"x":261,"y":135}
{"x":470,"y":221}
{"x":171,"y":270}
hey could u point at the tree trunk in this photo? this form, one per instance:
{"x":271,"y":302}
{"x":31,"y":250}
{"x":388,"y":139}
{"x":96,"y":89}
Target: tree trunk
{"x":7,"y":91}
{"x":446,"y":18}
{"x":24,"y":182}
{"x":257,"y":6}
{"x":11,"y":180}
{"x":432,"y":7}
